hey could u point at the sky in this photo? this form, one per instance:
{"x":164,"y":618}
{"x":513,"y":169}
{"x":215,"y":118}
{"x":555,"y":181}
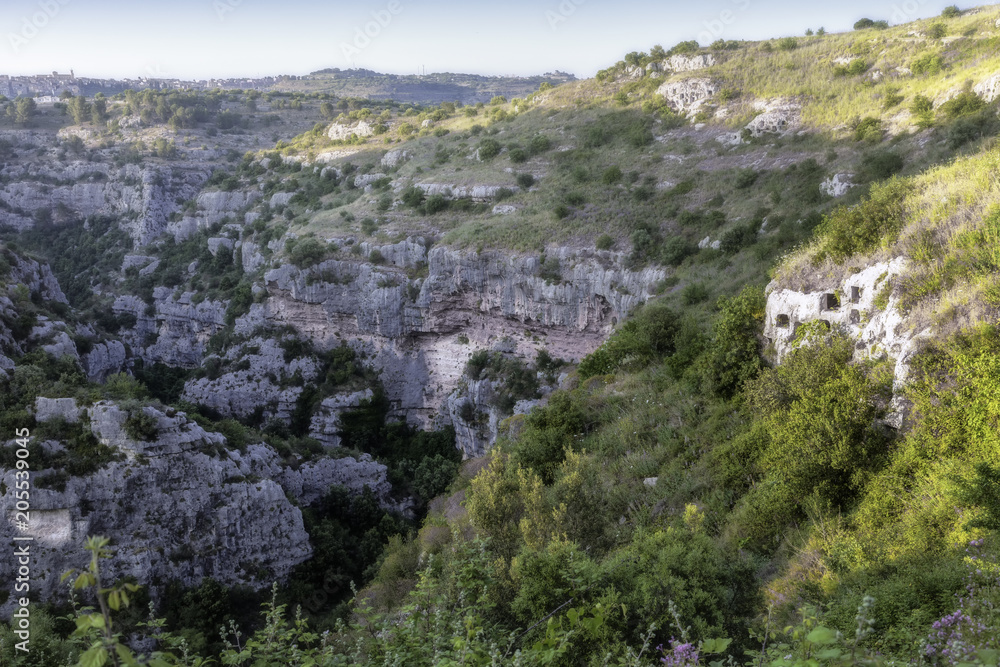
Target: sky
{"x":201,"y":39}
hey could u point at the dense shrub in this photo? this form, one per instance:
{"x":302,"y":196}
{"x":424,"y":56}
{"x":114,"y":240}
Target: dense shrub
{"x":928,"y":63}
{"x":306,"y":252}
{"x":937,"y":30}
{"x":868,"y":129}
{"x":876,"y":220}
{"x":646,"y":337}
{"x":963,"y":104}
{"x":879,"y":165}
{"x":733,"y":356}
{"x":139,"y":425}
{"x":488,"y":149}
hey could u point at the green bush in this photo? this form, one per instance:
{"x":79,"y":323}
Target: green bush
{"x":548,"y":433}
{"x":862,"y":228}
{"x":963,"y":104}
{"x":435,"y":204}
{"x":307,"y":252}
{"x":525,"y":181}
{"x":937,"y":30}
{"x":684,"y":48}
{"x":788,"y":44}
{"x":517,"y":155}
{"x":862,"y":24}
{"x":745,"y":178}
{"x":929,"y":63}
{"x":488,"y":149}
{"x":539,"y":144}
{"x":820,"y":414}
{"x":950,"y":12}
{"x":733,"y":355}
{"x":612,"y":175}
{"x":413,"y":196}
{"x":140,"y":426}
{"x":856,"y":67}
{"x":971,"y":128}
{"x":868,"y":129}
{"x":675,"y":249}
{"x":922,"y":109}
{"x":604,"y":242}
{"x":646,"y":337}
{"x":881,"y":164}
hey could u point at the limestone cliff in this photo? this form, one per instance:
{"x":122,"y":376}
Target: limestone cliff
{"x":181,"y":506}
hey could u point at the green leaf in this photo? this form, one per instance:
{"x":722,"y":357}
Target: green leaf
{"x":114,"y":600}
{"x":96,"y":656}
{"x":715,"y":645}
{"x":124,"y":654}
{"x":829,"y":654}
{"x":822,"y":635}
{"x":989,"y":656}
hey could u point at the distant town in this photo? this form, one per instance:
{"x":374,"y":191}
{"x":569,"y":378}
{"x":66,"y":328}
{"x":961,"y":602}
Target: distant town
{"x":427,"y":88}
{"x":45,"y":85}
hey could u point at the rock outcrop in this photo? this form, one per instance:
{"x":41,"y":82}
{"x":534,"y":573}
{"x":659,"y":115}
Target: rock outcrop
{"x":989,"y":89}
{"x":176,"y":496}
{"x":142,"y":198}
{"x":778,"y":116}
{"x":837,"y":185}
{"x":688,"y":95}
{"x":849,"y":307}
{"x":418,"y":332}
{"x":481,"y":193}
{"x":341,"y":132}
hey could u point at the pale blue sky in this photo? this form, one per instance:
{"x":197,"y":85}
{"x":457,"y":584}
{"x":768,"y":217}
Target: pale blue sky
{"x":222,"y":38}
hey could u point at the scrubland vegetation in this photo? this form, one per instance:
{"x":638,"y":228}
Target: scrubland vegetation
{"x":681,"y":500}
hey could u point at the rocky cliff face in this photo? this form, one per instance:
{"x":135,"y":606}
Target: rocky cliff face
{"x":419,"y":332}
{"x":142,"y":198}
{"x":852,"y":307}
{"x":180,"y":506}
{"x":416,"y":317}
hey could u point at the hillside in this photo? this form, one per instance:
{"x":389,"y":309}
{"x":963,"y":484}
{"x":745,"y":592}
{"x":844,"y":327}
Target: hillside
{"x":421,"y":89}
{"x":691,"y":363}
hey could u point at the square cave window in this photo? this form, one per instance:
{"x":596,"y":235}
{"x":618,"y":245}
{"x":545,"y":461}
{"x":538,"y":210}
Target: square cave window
{"x":782,"y":321}
{"x":830,"y":302}
{"x":855,"y":295}
{"x":855,"y":317}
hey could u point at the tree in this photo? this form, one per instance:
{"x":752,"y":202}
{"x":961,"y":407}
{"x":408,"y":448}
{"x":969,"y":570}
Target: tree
{"x":327,"y":110}
{"x":863,"y":24}
{"x":79,"y":109}
{"x":950,"y":12}
{"x":24,"y":110}
{"x":99,"y":110}
{"x":937,"y":30}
